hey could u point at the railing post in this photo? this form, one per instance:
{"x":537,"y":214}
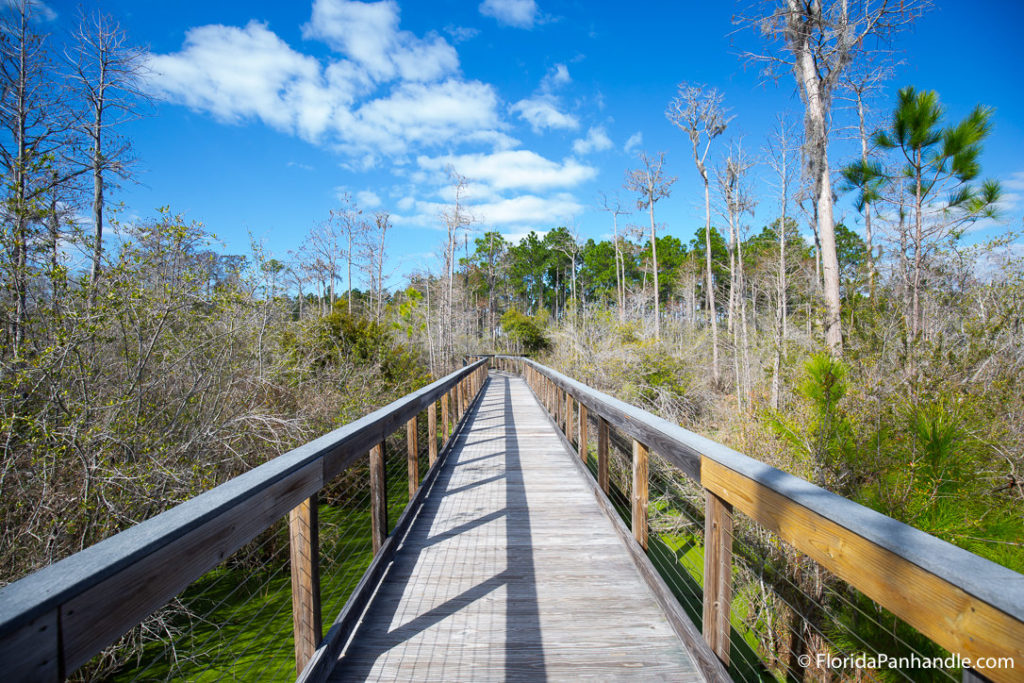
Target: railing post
{"x":304,"y":542}
{"x":412,"y":448}
{"x":444,"y":416}
{"x":378,"y":498}
{"x":603,"y":437}
{"x":568,"y":417}
{"x":717,"y":574}
{"x":582,"y":445}
{"x":640,"y":493}
{"x":432,"y":433}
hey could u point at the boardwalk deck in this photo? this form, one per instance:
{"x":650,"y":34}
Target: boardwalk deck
{"x":511,"y":571}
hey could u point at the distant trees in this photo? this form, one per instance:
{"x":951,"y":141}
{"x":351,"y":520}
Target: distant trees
{"x":698,"y":111}
{"x":105,"y":70}
{"x":818,"y":41}
{"x":937,"y":161}
{"x":651,"y":184}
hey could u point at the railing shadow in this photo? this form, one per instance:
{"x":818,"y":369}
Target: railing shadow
{"x":380,"y":637}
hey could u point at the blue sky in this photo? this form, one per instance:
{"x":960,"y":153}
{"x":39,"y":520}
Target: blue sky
{"x":268,"y":111}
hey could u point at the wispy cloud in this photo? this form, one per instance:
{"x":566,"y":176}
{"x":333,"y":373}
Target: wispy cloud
{"x":597,"y":140}
{"x":247,"y":73}
{"x":517,"y":13}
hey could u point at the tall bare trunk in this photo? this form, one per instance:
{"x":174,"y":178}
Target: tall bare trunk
{"x":712,"y":313}
{"x":654,"y":266}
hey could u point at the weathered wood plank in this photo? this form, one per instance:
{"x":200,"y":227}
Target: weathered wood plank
{"x":602,"y":453}
{"x":717,"y":574}
{"x":378,"y":497}
{"x":583,"y":447}
{"x":568,"y":418}
{"x":101,"y":592}
{"x":304,"y":548}
{"x":940,"y":610}
{"x":432,"y":434}
{"x":490,"y":581}
{"x":412,"y":456}
{"x":639,"y":493}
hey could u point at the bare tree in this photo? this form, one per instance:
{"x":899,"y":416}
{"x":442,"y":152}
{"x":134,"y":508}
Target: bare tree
{"x":818,"y":40}
{"x":781,"y":145}
{"x":698,"y":111}
{"x":105,"y":68}
{"x":651,"y":184}
{"x":346,"y":217}
{"x":614,"y":208}
{"x":375,"y":250}
{"x":737,"y":201}
{"x":456,"y":220}
{"x":867,"y":178}
{"x":34,"y":125}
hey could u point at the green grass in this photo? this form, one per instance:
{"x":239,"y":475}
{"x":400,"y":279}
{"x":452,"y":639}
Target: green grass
{"x":239,"y":625}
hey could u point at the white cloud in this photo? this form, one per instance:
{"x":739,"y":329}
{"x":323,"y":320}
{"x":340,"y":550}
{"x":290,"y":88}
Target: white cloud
{"x":634,"y":142}
{"x":460,"y":34}
{"x":528,"y":208}
{"x":542,"y":112}
{"x":367,"y":199}
{"x":424,"y":114}
{"x":518,"y":13}
{"x":512,"y":170}
{"x":238,"y":74}
{"x":557,"y":76}
{"x":597,"y":140}
{"x":368,"y":34}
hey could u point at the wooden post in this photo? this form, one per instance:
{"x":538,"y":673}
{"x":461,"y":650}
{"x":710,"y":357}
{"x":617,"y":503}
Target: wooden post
{"x":717,"y":574}
{"x":603,"y":438}
{"x":412,"y":448}
{"x":432,"y":433}
{"x":640,"y":493}
{"x":444,"y":417}
{"x":568,"y":417}
{"x":582,"y":445}
{"x":304,"y":541}
{"x":378,"y":498}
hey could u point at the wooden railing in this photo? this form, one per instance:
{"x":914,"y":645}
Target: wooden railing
{"x":968,"y":605}
{"x":55,"y":620}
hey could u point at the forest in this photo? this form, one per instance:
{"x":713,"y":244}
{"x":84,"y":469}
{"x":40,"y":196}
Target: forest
{"x":881,"y":360}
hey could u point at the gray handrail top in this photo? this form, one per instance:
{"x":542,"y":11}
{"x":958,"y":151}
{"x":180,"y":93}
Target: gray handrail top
{"x":988,"y":581}
{"x":46,"y":588}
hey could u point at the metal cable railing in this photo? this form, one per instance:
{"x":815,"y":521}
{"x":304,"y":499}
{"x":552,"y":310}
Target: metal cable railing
{"x":232,"y":584}
{"x":787,"y":580}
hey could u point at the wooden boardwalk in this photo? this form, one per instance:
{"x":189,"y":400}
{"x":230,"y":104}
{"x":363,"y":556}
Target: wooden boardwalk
{"x":512,"y":571}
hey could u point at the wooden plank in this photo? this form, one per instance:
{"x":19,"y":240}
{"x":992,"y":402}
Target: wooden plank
{"x":940,"y":610}
{"x":378,"y":498}
{"x":640,"y":493}
{"x":413,"y":453}
{"x":679,"y":446}
{"x":102,"y":591}
{"x":568,"y":418}
{"x":32,"y":653}
{"x":707,"y":662}
{"x":483,"y":586}
{"x":432,"y":434}
{"x":717,"y":574}
{"x":99,"y":615}
{"x":304,"y":549}
{"x":445,"y":422}
{"x":584,"y":431}
{"x":603,"y":439}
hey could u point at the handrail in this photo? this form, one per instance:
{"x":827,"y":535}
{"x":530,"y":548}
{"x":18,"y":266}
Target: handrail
{"x":967,"y":604}
{"x":56,"y":619}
